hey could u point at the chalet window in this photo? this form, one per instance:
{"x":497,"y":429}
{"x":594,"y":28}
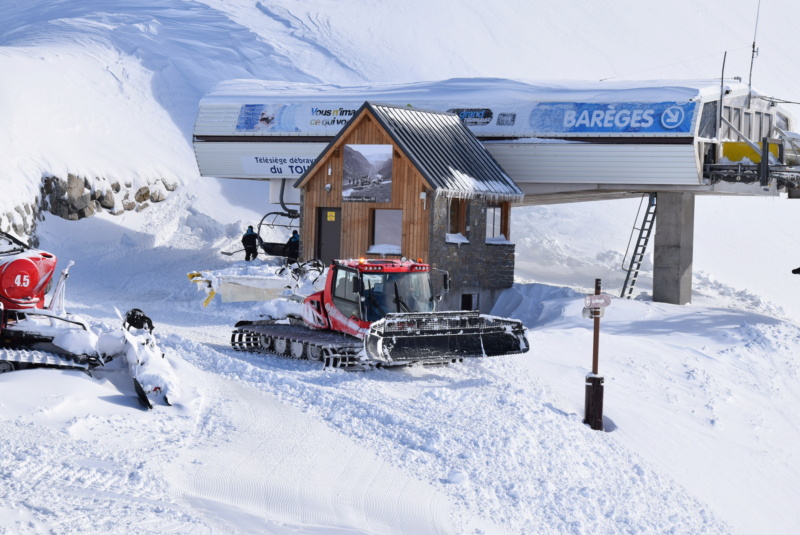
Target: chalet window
{"x":470,"y":301}
{"x":497,"y":221}
{"x":387,"y":232}
{"x":457,"y":217}
{"x":494,"y":221}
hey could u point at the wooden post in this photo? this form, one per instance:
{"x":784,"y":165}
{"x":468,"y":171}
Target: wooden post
{"x":593,"y":413}
{"x":596,"y":344}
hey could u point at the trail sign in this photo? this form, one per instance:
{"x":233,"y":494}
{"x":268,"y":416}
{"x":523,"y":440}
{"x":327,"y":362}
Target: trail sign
{"x":597,"y":301}
{"x":592,"y":313}
{"x":595,"y":306}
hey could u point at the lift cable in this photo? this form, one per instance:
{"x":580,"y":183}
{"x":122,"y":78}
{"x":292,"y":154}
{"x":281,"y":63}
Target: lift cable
{"x":669,"y":65}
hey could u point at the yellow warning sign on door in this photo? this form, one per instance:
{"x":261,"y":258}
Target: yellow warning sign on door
{"x":331,"y":216}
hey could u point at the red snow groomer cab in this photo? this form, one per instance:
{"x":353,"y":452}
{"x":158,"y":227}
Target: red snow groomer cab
{"x":381,"y":313}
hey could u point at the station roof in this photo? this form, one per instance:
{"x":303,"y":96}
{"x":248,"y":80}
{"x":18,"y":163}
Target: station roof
{"x":458,"y":91}
{"x":493,"y":108}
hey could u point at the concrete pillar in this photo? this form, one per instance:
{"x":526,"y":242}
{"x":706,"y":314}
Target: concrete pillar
{"x":673,"y":248}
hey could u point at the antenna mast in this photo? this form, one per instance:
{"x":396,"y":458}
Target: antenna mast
{"x":721,"y":96}
{"x":753,"y":57}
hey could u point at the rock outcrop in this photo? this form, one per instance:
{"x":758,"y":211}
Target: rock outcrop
{"x":76,"y":197}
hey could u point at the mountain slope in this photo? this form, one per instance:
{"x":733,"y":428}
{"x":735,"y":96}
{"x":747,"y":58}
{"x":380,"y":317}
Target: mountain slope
{"x":700,"y":400}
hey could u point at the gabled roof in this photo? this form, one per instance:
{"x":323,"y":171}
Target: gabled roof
{"x":449,"y":157}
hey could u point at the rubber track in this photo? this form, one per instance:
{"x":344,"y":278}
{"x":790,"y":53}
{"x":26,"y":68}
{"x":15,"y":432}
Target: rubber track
{"x":41,"y":358}
{"x":336,"y":350}
{"x":296,"y":333}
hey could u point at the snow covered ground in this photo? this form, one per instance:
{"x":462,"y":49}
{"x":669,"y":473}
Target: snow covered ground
{"x":701,"y":400}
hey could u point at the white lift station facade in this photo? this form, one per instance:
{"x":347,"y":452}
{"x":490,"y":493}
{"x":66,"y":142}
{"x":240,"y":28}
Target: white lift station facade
{"x":560,"y":142}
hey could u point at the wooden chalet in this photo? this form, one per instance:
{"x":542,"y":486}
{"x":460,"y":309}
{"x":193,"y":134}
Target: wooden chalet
{"x":404,"y":182}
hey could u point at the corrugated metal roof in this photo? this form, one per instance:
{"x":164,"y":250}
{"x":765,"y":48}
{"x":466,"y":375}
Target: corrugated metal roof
{"x":446,"y":152}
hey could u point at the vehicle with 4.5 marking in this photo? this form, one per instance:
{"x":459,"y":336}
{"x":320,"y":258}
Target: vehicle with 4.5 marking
{"x":38,"y":335}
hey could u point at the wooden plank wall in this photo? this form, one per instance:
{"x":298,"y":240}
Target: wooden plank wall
{"x":407,"y":184}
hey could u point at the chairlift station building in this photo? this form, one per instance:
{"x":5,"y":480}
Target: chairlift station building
{"x":558,"y":142}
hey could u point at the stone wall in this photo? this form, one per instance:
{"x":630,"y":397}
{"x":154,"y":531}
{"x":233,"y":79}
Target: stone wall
{"x":477,"y":267}
{"x":21,"y":220}
{"x":77,"y":197}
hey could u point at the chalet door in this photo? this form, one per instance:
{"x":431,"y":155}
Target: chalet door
{"x":329,"y":230}
{"x":470,"y":302}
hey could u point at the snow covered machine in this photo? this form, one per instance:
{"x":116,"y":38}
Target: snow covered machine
{"x":30,"y":334}
{"x":381,"y":313}
{"x":33,"y":335}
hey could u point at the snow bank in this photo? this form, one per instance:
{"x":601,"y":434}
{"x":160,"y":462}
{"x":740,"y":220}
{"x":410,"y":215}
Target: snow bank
{"x":95,"y":121}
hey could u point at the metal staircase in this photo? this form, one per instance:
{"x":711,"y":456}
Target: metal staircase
{"x":645,"y":230}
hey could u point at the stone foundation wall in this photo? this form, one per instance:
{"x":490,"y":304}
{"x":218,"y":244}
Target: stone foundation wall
{"x":476,"y":267}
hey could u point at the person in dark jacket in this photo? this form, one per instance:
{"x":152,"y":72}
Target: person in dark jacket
{"x":292,"y":247}
{"x":250,"y":242}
